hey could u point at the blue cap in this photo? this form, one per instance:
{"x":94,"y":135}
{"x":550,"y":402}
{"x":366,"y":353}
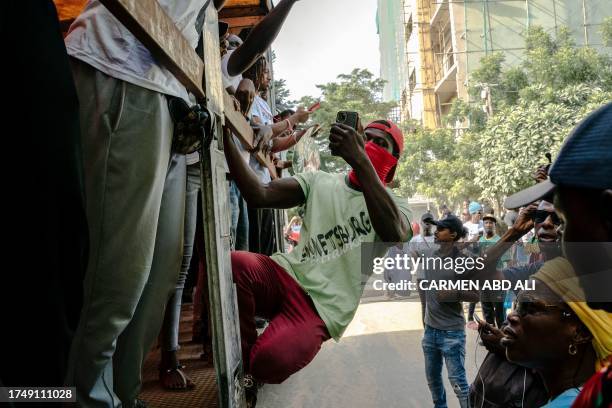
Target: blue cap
{"x":474,"y":207}
{"x":584,"y":161}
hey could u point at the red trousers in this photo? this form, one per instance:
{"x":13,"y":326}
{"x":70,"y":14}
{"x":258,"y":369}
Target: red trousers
{"x":295,"y":333}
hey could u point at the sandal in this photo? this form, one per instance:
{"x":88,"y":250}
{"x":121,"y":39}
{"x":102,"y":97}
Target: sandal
{"x":175,"y":379}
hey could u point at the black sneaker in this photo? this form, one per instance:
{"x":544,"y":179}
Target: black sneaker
{"x":260,"y":323}
{"x":138,"y":403}
{"x":250,"y":390}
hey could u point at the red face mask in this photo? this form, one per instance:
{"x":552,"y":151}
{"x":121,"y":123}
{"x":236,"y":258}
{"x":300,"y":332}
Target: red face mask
{"x":381,"y":159}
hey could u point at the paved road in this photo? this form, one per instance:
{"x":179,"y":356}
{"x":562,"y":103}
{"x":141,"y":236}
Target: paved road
{"x":378,"y":363}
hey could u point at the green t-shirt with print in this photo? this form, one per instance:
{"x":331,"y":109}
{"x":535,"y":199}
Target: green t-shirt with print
{"x":327,"y":261}
{"x":486,"y":243}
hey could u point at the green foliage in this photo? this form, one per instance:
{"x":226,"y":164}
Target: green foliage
{"x":517,"y":138}
{"x":282,"y":95}
{"x":358,"y":91}
{"x":437,"y":164}
{"x":606,"y":31}
{"x":536,"y":104}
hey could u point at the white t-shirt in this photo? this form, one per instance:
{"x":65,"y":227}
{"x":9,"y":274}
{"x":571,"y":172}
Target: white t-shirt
{"x":421,"y":246}
{"x":261,"y":109}
{"x":473,"y":229}
{"x":228,"y":80}
{"x":97,"y":38}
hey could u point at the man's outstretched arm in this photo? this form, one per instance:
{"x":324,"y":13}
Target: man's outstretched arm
{"x":493,"y":254}
{"x":279,"y":193}
{"x":386,"y":218}
{"x":260,"y":39}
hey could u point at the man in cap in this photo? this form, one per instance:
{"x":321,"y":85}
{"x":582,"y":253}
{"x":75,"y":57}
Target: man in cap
{"x":312,"y":293}
{"x":492,"y":301}
{"x":580,"y":180}
{"x":444,"y":336}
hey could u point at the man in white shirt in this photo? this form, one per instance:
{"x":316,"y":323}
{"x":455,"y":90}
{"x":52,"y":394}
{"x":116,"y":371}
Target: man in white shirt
{"x":423,"y":245}
{"x":135,"y":199}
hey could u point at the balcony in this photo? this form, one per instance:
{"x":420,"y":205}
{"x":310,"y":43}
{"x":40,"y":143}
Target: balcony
{"x":439,"y":12}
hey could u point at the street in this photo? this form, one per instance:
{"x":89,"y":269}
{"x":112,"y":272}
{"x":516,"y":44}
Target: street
{"x":378,"y":363}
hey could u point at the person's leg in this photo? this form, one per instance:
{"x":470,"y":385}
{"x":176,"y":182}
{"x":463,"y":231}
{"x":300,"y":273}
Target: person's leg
{"x":140,"y":334}
{"x":258,"y":292}
{"x":125,"y":130}
{"x":488,"y":311}
{"x":422,"y":298}
{"x":242,"y":229}
{"x":45,"y":219}
{"x":500,"y":312}
{"x":471,"y":310}
{"x":234,"y":197}
{"x":292,"y":339}
{"x":170,"y":374}
{"x":453,"y":349}
{"x":433,"y":366}
{"x":254,"y":217}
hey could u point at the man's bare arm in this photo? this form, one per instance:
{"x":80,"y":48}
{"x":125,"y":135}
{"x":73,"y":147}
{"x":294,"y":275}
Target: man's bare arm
{"x":279,"y":193}
{"x":260,"y":39}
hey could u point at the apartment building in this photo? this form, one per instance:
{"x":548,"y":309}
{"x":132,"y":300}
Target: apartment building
{"x":444,"y":40}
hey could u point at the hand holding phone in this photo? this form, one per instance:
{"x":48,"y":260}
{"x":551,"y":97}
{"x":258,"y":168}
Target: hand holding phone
{"x":348,"y":118}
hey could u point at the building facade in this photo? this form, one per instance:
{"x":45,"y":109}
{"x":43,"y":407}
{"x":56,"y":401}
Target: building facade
{"x":444,"y":40}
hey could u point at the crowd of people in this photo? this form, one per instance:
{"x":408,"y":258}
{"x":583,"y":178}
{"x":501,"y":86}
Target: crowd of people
{"x":128,"y":221}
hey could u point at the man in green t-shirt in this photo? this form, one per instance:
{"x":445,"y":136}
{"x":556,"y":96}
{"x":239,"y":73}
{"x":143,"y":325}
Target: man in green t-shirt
{"x":493,"y":300}
{"x":312,"y":293}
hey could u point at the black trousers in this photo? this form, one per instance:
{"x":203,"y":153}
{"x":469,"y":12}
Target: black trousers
{"x":45,"y":251}
{"x":262,"y":237}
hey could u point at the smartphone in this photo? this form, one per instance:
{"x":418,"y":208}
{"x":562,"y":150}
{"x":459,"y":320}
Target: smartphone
{"x":348,"y":118}
{"x":314,"y":107}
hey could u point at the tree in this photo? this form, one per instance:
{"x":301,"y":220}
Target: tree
{"x":357,"y":91}
{"x":437,"y":164}
{"x":282,"y":95}
{"x":536,"y":104}
{"x":606,"y":31}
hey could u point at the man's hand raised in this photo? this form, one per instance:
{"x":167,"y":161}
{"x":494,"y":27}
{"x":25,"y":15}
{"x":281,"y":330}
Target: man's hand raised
{"x":524,"y":221}
{"x":346,"y":142}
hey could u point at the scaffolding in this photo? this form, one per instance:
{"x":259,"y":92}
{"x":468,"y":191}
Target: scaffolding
{"x":453,"y":35}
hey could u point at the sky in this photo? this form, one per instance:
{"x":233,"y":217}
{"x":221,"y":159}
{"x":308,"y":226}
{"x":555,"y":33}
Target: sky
{"x":324,"y":38}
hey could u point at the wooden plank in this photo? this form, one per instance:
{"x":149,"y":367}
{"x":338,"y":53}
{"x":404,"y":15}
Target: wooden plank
{"x":226,"y":13}
{"x":235,"y":120}
{"x":242,"y":22}
{"x":151,"y":25}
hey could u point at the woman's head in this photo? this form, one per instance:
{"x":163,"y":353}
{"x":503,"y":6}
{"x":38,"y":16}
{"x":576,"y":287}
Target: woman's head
{"x":543,"y":331}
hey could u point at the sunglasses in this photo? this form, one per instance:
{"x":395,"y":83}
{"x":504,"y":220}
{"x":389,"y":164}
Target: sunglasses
{"x":527,"y":305}
{"x":539,"y":216}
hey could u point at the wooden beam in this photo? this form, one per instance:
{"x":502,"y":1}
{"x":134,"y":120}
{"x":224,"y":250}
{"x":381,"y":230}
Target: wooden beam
{"x":151,"y":26}
{"x":242,"y":22}
{"x":239,"y":126}
{"x":226,"y":13}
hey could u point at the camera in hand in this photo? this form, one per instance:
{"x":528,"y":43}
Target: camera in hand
{"x":348,"y":118}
